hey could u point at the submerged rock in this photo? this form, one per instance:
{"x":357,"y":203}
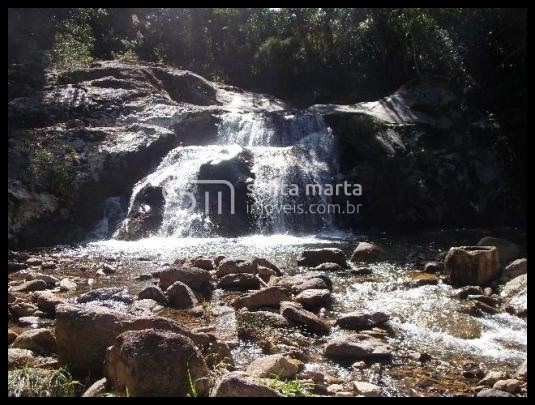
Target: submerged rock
{"x":156,"y":363}
{"x":111,"y":297}
{"x":467,"y":265}
{"x":260,"y":319}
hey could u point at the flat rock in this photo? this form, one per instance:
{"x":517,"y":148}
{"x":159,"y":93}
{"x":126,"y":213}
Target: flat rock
{"x":274,"y":366}
{"x":32,"y":285}
{"x":238,"y":384}
{"x":235,"y":266}
{"x":240,"y":281}
{"x":367,"y":350}
{"x":301,"y":317}
{"x":360,"y":321}
{"x":266,"y":297}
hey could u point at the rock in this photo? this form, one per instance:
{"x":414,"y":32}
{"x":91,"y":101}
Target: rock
{"x":522,"y":371}
{"x":18,"y":358}
{"x":144,"y":277}
{"x":194,"y":277}
{"x":97,"y":389}
{"x":235,"y":266}
{"x":511,"y":385}
{"x":516,"y":268}
{"x":298,"y":316}
{"x":11,"y":336}
{"x":472,"y":370}
{"x":66,"y":285}
{"x":21,"y":309}
{"x":514,"y":287}
{"x":468,"y":265}
{"x":33,"y":321}
{"x":84,"y":332}
{"x":335,"y":388}
{"x":489,"y":392}
{"x":34,"y":261}
{"x":10,"y":297}
{"x":361,"y":271}
{"x":261,"y":318}
{"x":368,"y":253}
{"x":263,"y":262}
{"x":464,"y":292}
{"x":366,"y":389}
{"x":367,"y":350}
{"x":107,"y":269}
{"x":240,"y":281}
{"x":328,"y":267}
{"x":111,"y":297}
{"x":238,"y":384}
{"x":507,"y":251}
{"x":491,"y":377}
{"x":265,"y":273}
{"x":201,"y":262}
{"x":301,"y":282}
{"x":315,"y":257}
{"x":153,"y":293}
{"x":144,"y":307}
{"x":343,"y":394}
{"x":48,"y":265}
{"x":314,"y":298}
{"x":32,"y":285}
{"x":360,"y":321}
{"x":487,"y":291}
{"x":419,"y":278}
{"x":218,"y":259}
{"x":38,"y":340}
{"x":266,"y":297}
{"x":47,"y":301}
{"x":434,"y":267}
{"x":180,"y":296}
{"x":15,"y":266}
{"x":492,"y":301}
{"x":156,"y":363}
{"x":47,"y":278}
{"x":274,"y":366}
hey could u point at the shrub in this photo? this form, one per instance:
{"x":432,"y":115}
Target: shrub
{"x":73,"y":46}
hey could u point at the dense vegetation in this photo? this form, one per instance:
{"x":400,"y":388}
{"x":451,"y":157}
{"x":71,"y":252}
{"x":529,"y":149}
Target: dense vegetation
{"x":305,"y":55}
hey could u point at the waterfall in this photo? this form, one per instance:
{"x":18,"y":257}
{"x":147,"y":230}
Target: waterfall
{"x":291,"y":148}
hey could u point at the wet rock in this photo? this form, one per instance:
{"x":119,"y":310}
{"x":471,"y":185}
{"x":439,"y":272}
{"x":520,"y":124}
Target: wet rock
{"x":328,"y":267}
{"x":201,"y":262}
{"x":314,"y":298}
{"x":522,"y":371}
{"x":274,"y":366}
{"x":156,"y":363}
{"x":108,"y":269}
{"x":296,"y":315}
{"x":487,"y":291}
{"x":15,"y":266}
{"x":472,"y":370}
{"x":47,"y":278}
{"x":32,"y":285}
{"x":492,"y":301}
{"x":492,"y":377}
{"x":309,"y":284}
{"x":515,"y":269}
{"x":343,"y":394}
{"x":315,"y":257}
{"x":261,"y":318}
{"x":11,"y":336}
{"x":511,"y":385}
{"x":368,"y":253}
{"x":10,"y":297}
{"x":361,"y":271}
{"x":419,"y":278}
{"x":218,"y":259}
{"x":515,"y":286}
{"x":266,"y":297}
{"x":335,"y":388}
{"x":507,"y":251}
{"x":21,"y":309}
{"x":434,"y":267}
{"x":366,"y":389}
{"x":240,"y":281}
{"x":301,"y":282}
{"x":38,"y":340}
{"x":84,"y":332}
{"x":33,"y":321}
{"x":360,"y":321}
{"x":144,"y":307}
{"x":47,"y":301}
{"x":492,"y":393}
{"x":469,"y":265}
{"x":263,"y":262}
{"x":97,"y":389}
{"x":422,"y":357}
{"x":48,"y":265}
{"x":67,"y":285}
{"x":144,"y":277}
{"x":153,"y":293}
{"x":515,"y":295}
{"x":18,"y":358}
{"x":194,"y":277}
{"x":111,"y":297}
{"x":34,"y":261}
{"x":238,"y":384}
{"x":180,"y":296}
{"x":235,"y":266}
{"x":367,"y":350}
{"x":464,"y":292}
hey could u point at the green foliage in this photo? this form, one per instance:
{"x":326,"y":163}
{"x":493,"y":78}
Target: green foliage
{"x":128,"y":55}
{"x":288,"y":388}
{"x":73,"y":46}
{"x":34,"y":382}
{"x":55,"y":173}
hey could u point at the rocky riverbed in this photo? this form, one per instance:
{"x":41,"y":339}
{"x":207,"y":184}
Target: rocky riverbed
{"x":272,"y":315}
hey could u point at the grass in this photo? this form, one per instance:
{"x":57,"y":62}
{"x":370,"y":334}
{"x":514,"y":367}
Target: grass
{"x":36,"y":382}
{"x":288,"y":388}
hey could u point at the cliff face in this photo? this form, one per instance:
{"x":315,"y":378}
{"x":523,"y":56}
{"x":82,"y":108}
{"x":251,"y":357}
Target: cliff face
{"x":91,"y":134}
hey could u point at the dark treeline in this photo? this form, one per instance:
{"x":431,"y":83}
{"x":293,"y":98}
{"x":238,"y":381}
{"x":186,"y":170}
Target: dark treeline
{"x":304,"y":55}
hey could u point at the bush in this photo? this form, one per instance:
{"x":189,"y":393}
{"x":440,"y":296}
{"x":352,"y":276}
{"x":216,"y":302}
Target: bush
{"x":36,"y":382}
{"x":73,"y":46}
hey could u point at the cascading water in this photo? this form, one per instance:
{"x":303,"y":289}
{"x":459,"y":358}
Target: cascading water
{"x":286,"y":149}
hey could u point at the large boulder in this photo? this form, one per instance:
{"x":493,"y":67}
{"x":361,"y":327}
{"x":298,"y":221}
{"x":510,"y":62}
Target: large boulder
{"x":515,"y":269}
{"x":180,"y":295}
{"x":239,"y":384}
{"x":266,"y":297}
{"x":469,"y":265}
{"x":507,"y":251}
{"x":156,"y":363}
{"x":296,"y":315}
{"x":315,"y":257}
{"x":274,"y":366}
{"x":368,"y":252}
{"x":194,"y":277}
